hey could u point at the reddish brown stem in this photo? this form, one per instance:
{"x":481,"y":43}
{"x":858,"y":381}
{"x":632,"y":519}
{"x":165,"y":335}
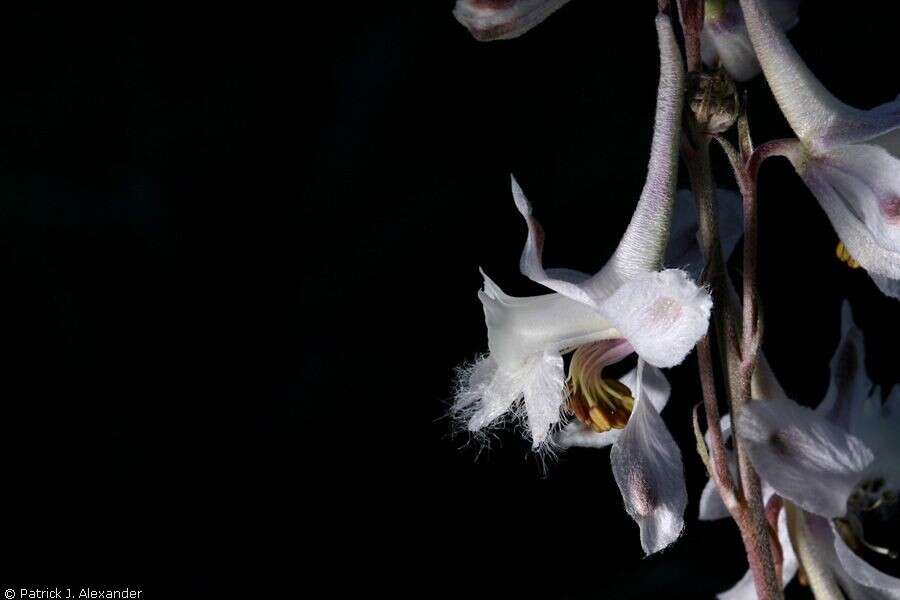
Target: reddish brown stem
{"x":691,"y":14}
{"x":718,"y":455}
{"x":746,"y":504}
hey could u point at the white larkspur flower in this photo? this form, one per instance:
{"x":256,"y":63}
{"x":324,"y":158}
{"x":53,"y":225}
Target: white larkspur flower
{"x":724,"y":39}
{"x":849,"y":158}
{"x":630,"y":305}
{"x":642,"y":447}
{"x":661,"y":314}
{"x":835,"y":463}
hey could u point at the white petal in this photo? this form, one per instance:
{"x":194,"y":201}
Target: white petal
{"x":654,"y":386}
{"x":724,"y":425}
{"x":861,"y":571}
{"x":683,"y":249}
{"x":643,"y":245}
{"x":647,"y":466}
{"x":803,"y":456}
{"x":724,"y":36}
{"x":712,"y":507}
{"x":859,"y":189}
{"x":531,"y":263}
{"x":889,"y":287}
{"x":503,"y":19}
{"x":545,"y":392}
{"x":578,"y":435}
{"x":849,"y":385}
{"x":745,"y":589}
{"x":790,"y":564}
{"x":731,"y":46}
{"x":569,"y":275}
{"x":485,"y":393}
{"x":520,"y":328}
{"x":662,"y":314}
{"x":817,"y":117}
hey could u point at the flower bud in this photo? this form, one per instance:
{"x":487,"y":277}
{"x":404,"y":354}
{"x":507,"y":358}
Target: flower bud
{"x":713,"y":100}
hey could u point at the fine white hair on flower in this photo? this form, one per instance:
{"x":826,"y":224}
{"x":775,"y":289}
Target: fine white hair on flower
{"x":662,"y":314}
{"x":485,"y":393}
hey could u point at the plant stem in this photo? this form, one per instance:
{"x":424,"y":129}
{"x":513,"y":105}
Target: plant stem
{"x":746,"y":506}
{"x":691,"y":14}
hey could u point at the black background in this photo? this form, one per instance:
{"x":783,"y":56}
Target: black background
{"x":239,"y":257}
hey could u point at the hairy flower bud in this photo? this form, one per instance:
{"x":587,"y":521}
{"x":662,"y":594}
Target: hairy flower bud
{"x":713,"y":100}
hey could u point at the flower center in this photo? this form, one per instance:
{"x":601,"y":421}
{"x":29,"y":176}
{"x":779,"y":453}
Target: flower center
{"x":844,"y":256}
{"x":869,"y":497}
{"x":600,"y":403}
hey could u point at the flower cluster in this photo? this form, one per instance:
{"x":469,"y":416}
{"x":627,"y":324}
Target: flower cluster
{"x":805,"y":479}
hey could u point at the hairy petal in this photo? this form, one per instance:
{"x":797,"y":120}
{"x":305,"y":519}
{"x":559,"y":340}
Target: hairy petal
{"x":662,"y":314}
{"x":544,"y":394}
{"x":816,"y":116}
{"x":804,"y":457}
{"x":485,"y":392}
{"x":489,"y":20}
{"x":519,"y":328}
{"x":531,"y":263}
{"x":647,"y":466}
{"x":643,"y":245}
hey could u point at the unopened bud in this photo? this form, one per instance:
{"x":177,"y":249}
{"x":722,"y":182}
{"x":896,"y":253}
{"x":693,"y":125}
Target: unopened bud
{"x":713,"y":100}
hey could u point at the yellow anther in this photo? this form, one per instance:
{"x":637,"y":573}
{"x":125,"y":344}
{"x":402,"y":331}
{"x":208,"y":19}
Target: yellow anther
{"x":845,"y":257}
{"x":601,"y":404}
